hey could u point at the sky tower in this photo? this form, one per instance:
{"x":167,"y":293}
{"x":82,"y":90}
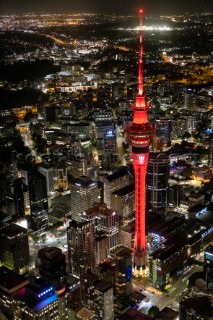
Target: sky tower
{"x":140,"y":133}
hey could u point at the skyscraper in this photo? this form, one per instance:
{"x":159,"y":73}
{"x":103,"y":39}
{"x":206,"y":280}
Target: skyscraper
{"x":84,"y":193}
{"x":123,"y":271}
{"x":14,"y":248}
{"x":35,"y":195}
{"x":81,"y":247}
{"x":52,"y":265}
{"x":208,"y":266}
{"x":97,"y":295}
{"x":157,"y":184}
{"x":140,"y":132}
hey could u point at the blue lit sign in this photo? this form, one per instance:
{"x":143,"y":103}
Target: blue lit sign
{"x":201,"y":212}
{"x":45,"y":292}
{"x":209,"y":256}
{"x":209,"y":130}
{"x":128,"y":273}
{"x":206,"y":233}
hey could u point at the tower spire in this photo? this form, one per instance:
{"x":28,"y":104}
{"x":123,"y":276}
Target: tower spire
{"x":140,"y":103}
{"x":140,"y":64}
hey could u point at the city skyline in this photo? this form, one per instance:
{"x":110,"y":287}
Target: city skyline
{"x":106,"y":161}
{"x":124,"y":7}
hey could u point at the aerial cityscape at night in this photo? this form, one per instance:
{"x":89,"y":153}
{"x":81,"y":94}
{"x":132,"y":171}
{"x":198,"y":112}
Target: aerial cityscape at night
{"x":106,"y":160}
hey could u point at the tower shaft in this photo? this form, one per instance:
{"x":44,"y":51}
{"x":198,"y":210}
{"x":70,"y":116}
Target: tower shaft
{"x":140,"y":132}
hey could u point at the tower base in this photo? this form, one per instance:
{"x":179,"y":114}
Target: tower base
{"x":140,"y":265}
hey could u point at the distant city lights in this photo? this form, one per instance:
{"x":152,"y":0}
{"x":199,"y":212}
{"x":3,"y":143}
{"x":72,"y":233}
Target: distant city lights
{"x":149,"y":28}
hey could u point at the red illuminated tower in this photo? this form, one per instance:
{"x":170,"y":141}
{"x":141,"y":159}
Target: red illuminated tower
{"x":140,"y":133}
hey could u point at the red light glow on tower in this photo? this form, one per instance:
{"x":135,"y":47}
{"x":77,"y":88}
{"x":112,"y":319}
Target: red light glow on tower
{"x":140,"y":132}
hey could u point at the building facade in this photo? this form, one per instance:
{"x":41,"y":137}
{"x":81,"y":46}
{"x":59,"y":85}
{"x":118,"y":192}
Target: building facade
{"x":157,"y":186}
{"x":14,"y":248}
{"x":81,"y":247}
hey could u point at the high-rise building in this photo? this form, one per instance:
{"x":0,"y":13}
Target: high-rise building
{"x":15,"y":199}
{"x":103,"y":300}
{"x":10,"y":283}
{"x":208,"y":266}
{"x":47,"y":171}
{"x":101,"y":128}
{"x":60,"y":178}
{"x":84,"y":194}
{"x":175,"y":195}
{"x":112,"y":182}
{"x":103,"y":114}
{"x":98,"y":296}
{"x":38,"y":300}
{"x":36,"y":201}
{"x":101,"y":246}
{"x":140,"y":132}
{"x":110,"y":144}
{"x":52,"y":266}
{"x":163,"y":129}
{"x":157,"y":186}
{"x":123,"y":202}
{"x":109,"y":150}
{"x":105,"y":220}
{"x":123,"y":271}
{"x":78,"y":166}
{"x":81,"y":247}
{"x":14,"y":248}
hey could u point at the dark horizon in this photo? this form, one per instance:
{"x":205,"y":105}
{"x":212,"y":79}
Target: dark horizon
{"x":103,"y":6}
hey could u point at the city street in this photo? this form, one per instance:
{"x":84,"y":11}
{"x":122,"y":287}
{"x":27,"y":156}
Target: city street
{"x":50,"y":239}
{"x":158,"y":298}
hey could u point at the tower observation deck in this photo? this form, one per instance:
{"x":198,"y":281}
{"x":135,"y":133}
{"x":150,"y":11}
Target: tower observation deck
{"x":140,"y":132}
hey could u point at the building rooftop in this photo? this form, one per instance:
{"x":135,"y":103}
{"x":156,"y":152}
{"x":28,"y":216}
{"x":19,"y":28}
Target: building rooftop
{"x":168,"y":314}
{"x":197,"y":195}
{"x":165,"y":253}
{"x":165,"y":228}
{"x":85,"y":314}
{"x":99,"y":235}
{"x":84,"y":182}
{"x":197,"y":208}
{"x":107,"y":265}
{"x":130,"y":227}
{"x":102,"y":285}
{"x":133,"y":314}
{"x":99,"y":209}
{"x":123,"y":191}
{"x":202,"y":305}
{"x":116,"y":175}
{"x":49,"y":253}
{"x":37,"y":294}
{"x":90,"y":277}
{"x":193,"y":233}
{"x":39,"y":285}
{"x":12,"y":230}
{"x":122,"y":252}
{"x":77,"y":224}
{"x":10,"y":281}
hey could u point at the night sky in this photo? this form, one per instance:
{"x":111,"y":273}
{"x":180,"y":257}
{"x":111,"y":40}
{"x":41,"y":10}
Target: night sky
{"x":108,"y":6}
